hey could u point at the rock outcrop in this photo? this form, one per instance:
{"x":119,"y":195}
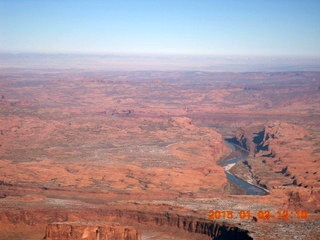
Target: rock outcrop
{"x":276,"y":135}
{"x":183,"y":122}
{"x":77,"y":231}
{"x":245,"y":140}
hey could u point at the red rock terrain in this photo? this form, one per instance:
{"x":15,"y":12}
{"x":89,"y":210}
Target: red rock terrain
{"x":75,"y":231}
{"x":142,"y":149}
{"x":284,"y":158}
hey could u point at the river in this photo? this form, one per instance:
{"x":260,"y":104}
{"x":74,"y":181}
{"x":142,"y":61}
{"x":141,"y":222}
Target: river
{"x":247,"y":187}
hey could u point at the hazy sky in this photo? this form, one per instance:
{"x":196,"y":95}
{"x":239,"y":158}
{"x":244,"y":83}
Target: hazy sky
{"x":240,"y":27}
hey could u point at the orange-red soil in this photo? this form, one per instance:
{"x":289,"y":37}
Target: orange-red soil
{"x":73,"y":142}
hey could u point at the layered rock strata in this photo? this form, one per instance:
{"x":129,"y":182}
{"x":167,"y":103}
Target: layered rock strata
{"x":76,"y":231}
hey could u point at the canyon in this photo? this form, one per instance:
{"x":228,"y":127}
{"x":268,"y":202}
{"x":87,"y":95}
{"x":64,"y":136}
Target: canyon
{"x":144,"y":149}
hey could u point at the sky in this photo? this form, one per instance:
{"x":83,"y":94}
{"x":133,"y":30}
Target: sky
{"x":177,"y":27}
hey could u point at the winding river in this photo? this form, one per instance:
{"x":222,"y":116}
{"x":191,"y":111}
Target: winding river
{"x":247,"y":187}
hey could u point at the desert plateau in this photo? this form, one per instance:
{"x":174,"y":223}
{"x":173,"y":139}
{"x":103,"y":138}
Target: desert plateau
{"x":159,"y":155}
{"x":160,"y":120}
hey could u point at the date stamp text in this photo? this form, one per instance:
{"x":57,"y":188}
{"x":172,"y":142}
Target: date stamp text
{"x":262,"y":214}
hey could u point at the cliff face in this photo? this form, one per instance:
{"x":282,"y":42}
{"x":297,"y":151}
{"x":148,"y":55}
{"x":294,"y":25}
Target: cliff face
{"x":74,"y":229}
{"x":277,"y":136}
{"x":77,"y":231}
{"x":244,"y":139}
{"x":61,"y":231}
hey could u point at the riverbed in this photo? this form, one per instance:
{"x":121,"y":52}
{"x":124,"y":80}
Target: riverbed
{"x":249,"y":188}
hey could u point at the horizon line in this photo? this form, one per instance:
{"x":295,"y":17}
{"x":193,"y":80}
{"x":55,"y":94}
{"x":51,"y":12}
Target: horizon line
{"x":159,"y":54}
